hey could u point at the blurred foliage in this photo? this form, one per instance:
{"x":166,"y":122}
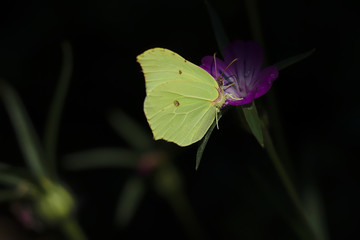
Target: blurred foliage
{"x":150,"y":163}
{"x":235,"y":194}
{"x":38,"y":186}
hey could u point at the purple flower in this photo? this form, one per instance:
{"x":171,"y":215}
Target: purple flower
{"x":244,"y":80}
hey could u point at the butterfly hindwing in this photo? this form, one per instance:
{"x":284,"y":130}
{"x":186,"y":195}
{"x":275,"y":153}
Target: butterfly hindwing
{"x":178,"y":118}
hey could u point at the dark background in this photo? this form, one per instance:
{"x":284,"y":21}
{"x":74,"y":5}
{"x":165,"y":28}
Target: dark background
{"x":236,"y":192}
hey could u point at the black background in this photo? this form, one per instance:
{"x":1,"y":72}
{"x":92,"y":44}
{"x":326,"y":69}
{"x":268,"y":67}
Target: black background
{"x":236,"y":192}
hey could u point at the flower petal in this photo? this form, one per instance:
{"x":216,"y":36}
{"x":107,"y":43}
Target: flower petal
{"x":244,"y":78}
{"x":208,"y":64}
{"x":265,"y":79}
{"x":250,"y":57}
{"x":247,"y":99}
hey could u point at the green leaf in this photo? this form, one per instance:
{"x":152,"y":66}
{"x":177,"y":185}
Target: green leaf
{"x":204,"y":142}
{"x":131,"y":131}
{"x":15,"y":177}
{"x":102,"y":158}
{"x":3,"y":166}
{"x":219,"y":31}
{"x":292,"y":60}
{"x":11,"y":179}
{"x":254,"y":122}
{"x":55,"y":109}
{"x":8,"y":195}
{"x":26,"y":135}
{"x":129,"y":200}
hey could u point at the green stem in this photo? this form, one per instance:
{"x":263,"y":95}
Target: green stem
{"x":256,"y":30}
{"x":169,"y":184}
{"x":289,"y":186}
{"x":271,"y":103}
{"x":72,"y":230}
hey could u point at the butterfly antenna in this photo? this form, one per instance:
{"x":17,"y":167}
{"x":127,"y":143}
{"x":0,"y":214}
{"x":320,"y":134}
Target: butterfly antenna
{"x":215,"y":66}
{"x":222,"y":74}
{"x":230,"y":64}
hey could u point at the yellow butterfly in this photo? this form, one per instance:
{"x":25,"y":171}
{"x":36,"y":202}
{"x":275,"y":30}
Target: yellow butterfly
{"x":182,"y":99}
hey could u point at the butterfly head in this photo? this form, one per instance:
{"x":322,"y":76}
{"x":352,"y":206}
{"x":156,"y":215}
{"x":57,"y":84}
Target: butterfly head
{"x":221,"y":100}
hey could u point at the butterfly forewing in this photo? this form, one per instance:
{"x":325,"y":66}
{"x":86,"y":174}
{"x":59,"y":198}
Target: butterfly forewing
{"x":162,"y":65}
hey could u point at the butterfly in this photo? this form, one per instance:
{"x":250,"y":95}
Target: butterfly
{"x":182,"y":99}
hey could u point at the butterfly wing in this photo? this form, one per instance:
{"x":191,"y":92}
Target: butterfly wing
{"x":162,"y":65}
{"x":179,"y":103}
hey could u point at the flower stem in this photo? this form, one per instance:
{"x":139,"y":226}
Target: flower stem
{"x":256,"y":31}
{"x":72,"y":230}
{"x":289,"y":186}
